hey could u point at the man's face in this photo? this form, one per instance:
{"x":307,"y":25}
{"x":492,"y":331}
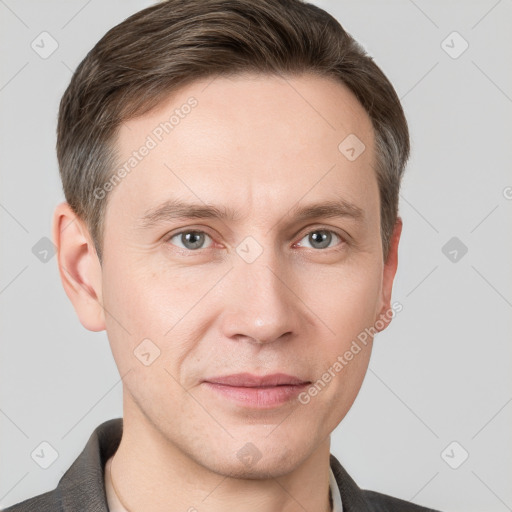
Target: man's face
{"x":266,"y":292}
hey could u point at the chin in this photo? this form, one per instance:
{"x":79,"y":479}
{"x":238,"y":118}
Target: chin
{"x":258,"y":459}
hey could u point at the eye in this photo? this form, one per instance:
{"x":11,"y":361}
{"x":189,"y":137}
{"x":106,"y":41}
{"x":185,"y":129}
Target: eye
{"x":194,"y":240}
{"x":320,"y":238}
{"x":190,"y":240}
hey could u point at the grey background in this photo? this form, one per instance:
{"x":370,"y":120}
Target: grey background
{"x":440,"y":373}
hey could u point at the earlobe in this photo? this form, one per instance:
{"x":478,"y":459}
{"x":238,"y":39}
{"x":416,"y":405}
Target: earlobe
{"x":79,"y":267}
{"x":390,"y":267}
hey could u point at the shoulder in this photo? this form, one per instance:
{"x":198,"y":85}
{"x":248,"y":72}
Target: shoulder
{"x":46,"y":502}
{"x":383,"y":503}
{"x":82,"y":486}
{"x":361,"y":500}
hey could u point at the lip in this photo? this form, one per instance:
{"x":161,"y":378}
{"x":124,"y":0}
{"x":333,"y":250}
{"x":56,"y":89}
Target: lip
{"x":257,"y":392}
{"x":249,"y":380}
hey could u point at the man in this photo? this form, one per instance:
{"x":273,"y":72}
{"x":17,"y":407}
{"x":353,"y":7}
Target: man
{"x":231,"y":171}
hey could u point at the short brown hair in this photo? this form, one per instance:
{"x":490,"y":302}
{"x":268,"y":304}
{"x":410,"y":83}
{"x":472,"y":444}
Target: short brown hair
{"x":139,"y":62}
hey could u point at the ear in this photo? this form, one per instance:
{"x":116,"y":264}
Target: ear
{"x":388,"y":276}
{"x":79,"y":267}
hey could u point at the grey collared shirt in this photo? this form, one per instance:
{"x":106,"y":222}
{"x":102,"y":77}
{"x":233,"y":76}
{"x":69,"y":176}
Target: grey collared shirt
{"x":82,"y":487}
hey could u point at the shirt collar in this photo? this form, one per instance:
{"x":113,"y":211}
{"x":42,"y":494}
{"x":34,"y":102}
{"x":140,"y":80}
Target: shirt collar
{"x":337,"y":505}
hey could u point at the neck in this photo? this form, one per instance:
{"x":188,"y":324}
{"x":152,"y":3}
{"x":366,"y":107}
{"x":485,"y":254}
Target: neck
{"x":153,"y":473}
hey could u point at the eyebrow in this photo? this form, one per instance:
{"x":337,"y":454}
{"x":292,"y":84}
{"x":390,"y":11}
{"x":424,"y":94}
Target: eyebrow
{"x":173,"y":209}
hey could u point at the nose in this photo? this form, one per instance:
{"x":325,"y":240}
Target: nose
{"x":259,"y":301}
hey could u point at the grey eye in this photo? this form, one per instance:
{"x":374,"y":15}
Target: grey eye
{"x":320,"y":238}
{"x":191,"y":240}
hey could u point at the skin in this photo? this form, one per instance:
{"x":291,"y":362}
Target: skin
{"x":254,"y":144}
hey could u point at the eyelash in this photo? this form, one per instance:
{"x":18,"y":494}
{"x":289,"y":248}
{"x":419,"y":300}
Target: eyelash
{"x":339,"y":246}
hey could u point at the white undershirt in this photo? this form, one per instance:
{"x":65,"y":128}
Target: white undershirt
{"x":114,"y":505}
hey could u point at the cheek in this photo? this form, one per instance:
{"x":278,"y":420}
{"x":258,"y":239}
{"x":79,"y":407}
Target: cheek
{"x":135,"y":311}
{"x":345,"y":298}
{"x":145,"y":303}
{"x":148,"y":298}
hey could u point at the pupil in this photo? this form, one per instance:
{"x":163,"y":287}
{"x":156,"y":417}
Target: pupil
{"x":192,"y":239}
{"x":323,"y":240}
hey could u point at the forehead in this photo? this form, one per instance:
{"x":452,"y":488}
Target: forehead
{"x":249,"y":140}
